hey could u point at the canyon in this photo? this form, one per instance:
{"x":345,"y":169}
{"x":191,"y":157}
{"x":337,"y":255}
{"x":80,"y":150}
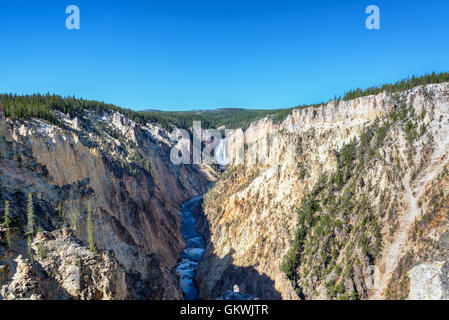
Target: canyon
{"x":343,"y":201}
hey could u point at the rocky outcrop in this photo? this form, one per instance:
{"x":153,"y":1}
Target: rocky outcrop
{"x":429,"y":281}
{"x":25,"y":284}
{"x":63,"y":268}
{"x":235,"y":294}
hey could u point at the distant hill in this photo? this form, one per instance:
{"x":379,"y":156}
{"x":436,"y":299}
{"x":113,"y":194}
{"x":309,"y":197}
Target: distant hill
{"x":43,"y":106}
{"x":228,"y":117}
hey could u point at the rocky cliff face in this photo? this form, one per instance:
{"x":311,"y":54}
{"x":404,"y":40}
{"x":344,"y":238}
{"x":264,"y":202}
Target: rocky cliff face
{"x":351,"y":196}
{"x":64,"y":269}
{"x":123,"y":169}
{"x":345,"y":201}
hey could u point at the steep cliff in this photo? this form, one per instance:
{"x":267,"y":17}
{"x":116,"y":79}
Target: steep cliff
{"x":123,"y":170}
{"x":344,"y":201}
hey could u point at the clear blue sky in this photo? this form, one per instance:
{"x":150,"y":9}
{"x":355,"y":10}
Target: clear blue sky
{"x":175,"y":55}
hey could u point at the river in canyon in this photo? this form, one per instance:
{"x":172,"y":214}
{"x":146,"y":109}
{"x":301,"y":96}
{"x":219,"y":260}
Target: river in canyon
{"x":193,"y":251}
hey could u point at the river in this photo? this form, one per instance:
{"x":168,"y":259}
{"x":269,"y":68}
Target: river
{"x":193,"y":251}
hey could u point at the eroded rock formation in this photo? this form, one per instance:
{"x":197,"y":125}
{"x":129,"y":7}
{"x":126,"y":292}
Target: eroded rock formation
{"x":124,"y":170}
{"x":354,"y":192}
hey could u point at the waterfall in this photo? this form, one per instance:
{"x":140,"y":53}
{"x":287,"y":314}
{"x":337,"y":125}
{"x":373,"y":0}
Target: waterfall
{"x":221,"y":153}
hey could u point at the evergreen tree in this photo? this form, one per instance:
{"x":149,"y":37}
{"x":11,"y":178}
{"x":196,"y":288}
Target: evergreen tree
{"x":61,"y":212}
{"x":7,"y":225}
{"x":29,"y":249}
{"x":402,"y":85}
{"x":30,"y":225}
{"x":90,"y":228}
{"x":73,"y":224}
{"x":30,"y":215}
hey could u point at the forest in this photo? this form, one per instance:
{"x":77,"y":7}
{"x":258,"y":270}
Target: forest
{"x":43,"y":107}
{"x":405,"y":84}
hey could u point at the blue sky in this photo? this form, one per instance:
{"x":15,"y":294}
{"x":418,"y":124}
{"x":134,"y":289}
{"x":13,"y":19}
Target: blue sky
{"x":176,"y":55}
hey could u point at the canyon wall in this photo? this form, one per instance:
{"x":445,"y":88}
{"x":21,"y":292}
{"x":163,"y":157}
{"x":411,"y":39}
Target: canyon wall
{"x":351,"y":196}
{"x":123,"y":169}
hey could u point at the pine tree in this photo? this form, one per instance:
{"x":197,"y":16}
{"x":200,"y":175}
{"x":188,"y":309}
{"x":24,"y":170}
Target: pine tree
{"x":30,"y":251}
{"x":73,"y":218}
{"x":30,"y":216}
{"x":7,"y":225}
{"x":30,"y":224}
{"x":61,"y":212}
{"x":90,"y":228}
